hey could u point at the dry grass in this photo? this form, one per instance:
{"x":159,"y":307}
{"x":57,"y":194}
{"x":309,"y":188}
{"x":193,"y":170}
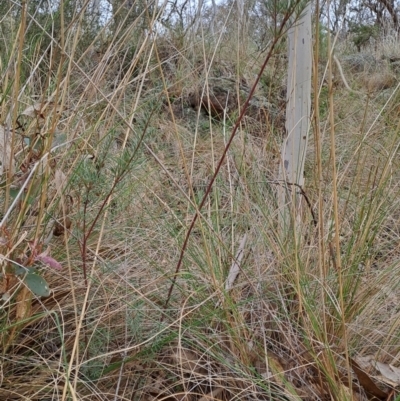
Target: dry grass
{"x":128,"y":162}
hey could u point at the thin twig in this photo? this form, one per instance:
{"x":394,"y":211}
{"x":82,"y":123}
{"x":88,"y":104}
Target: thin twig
{"x":219,"y":165}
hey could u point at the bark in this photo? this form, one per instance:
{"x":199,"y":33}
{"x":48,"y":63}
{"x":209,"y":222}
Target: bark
{"x":297,"y":119}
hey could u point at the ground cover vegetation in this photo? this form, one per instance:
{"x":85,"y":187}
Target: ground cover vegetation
{"x":125,"y":275}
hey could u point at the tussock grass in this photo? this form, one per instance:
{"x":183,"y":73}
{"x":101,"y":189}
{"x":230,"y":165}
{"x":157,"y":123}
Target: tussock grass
{"x":119,"y":168}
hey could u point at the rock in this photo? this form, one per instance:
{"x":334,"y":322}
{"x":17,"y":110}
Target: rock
{"x":224,"y":96}
{"x":219,"y":96}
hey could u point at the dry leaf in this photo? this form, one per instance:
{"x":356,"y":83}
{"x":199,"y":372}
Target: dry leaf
{"x":188,"y":361}
{"x":40,"y":109}
{"x":366,"y":382}
{"x":389,"y":372}
{"x":48,"y":260}
{"x":59,"y":228}
{"x":364,"y":362}
{"x":270,"y":366}
{"x":60,"y":181}
{"x":32,"y":111}
{"x":213,"y":395}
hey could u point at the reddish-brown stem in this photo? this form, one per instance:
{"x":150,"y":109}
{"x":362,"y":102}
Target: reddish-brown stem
{"x":219,"y":165}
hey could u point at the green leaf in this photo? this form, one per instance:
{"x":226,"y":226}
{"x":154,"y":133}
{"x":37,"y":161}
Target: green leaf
{"x":37,"y":284}
{"x":19,"y":270}
{"x":14,"y":192}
